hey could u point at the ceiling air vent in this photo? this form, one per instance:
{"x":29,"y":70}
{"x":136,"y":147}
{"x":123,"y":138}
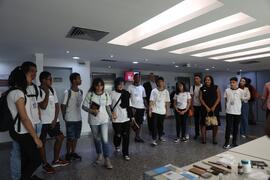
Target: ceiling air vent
{"x":249,"y":62}
{"x":86,"y":34}
{"x":108,"y":60}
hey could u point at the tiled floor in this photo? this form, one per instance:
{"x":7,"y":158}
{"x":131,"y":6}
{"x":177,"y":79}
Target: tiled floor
{"x":143,"y":156}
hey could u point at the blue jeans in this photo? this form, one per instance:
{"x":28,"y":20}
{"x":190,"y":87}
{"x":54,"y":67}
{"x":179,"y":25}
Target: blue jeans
{"x":100,"y":135}
{"x":15,"y":161}
{"x":244,"y":118}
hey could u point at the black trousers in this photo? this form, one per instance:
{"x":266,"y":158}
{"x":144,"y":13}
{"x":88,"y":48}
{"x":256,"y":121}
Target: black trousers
{"x":157,"y":122}
{"x":121,"y":133}
{"x":181,"y":123}
{"x":30,"y":157}
{"x":232,"y":125}
{"x":149,"y":122}
{"x":197,"y":119}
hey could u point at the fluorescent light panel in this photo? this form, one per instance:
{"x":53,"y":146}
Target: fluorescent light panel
{"x":202,"y":31}
{"x":225,"y":40}
{"x":178,"y":14}
{"x":249,"y":57}
{"x":244,"y":53}
{"x":234,"y":48}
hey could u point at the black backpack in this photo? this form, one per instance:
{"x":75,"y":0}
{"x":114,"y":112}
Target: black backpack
{"x":6,"y":121}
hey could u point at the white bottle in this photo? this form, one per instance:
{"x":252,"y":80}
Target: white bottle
{"x":246,"y":166}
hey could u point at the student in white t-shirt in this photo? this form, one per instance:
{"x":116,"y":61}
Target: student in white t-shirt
{"x":24,"y":133}
{"x":159,"y":108}
{"x":182,"y":101}
{"x":138,"y":103}
{"x":97,"y":103}
{"x":71,"y":111}
{"x":49,"y":111}
{"x":233,"y":104}
{"x":121,"y":116}
{"x":196,"y":103}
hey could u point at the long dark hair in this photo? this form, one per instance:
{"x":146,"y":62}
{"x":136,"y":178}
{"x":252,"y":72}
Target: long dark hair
{"x":95,"y":82}
{"x":177,"y":90}
{"x":27,"y":65}
{"x":246,"y":85}
{"x":17,"y":79}
{"x":211,"y":78}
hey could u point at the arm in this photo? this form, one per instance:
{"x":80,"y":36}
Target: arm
{"x":43,"y":104}
{"x":63,"y":109}
{"x":20,"y":105}
{"x":109,"y":111}
{"x":247,"y":97}
{"x":203,"y":102}
{"x":56,"y":113}
{"x":151,"y":104}
{"x":217,"y":100}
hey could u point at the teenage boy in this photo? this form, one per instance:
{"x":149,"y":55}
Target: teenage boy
{"x":49,"y":111}
{"x":233,"y":104}
{"x":138,"y":104}
{"x":159,"y":108}
{"x":195,"y":94}
{"x":71,"y":110}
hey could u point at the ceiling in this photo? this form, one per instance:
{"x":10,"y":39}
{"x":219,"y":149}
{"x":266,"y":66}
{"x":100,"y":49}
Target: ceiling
{"x":32,"y":26}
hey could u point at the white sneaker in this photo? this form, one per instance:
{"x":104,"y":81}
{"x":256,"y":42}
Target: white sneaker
{"x":177,"y":140}
{"x":99,"y":159}
{"x":154,"y":143}
{"x":162,"y":139}
{"x":231,"y":136}
{"x":117,"y":149}
{"x":108,"y":163}
{"x":126,"y":157}
{"x":187,"y":136}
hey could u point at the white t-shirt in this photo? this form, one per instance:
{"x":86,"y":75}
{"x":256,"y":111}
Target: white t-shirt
{"x":121,"y":113}
{"x":234,"y":101}
{"x":103,"y":100}
{"x":246,"y":95}
{"x":47,"y":115}
{"x":196,"y":95}
{"x":159,"y":99}
{"x":12,"y":98}
{"x":137,"y":93}
{"x":73,"y":108}
{"x":34,"y":103}
{"x":182,"y":99}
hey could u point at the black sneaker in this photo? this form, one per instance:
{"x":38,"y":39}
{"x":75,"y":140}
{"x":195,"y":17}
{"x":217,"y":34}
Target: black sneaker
{"x":226,"y":146}
{"x":68,"y":157}
{"x":75,"y":156}
{"x":139,"y":140}
{"x":234,"y":145}
{"x":184,"y":139}
{"x":35,"y":178}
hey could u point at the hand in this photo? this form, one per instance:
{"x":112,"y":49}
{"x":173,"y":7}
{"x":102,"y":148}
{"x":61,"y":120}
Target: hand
{"x":167,"y":115}
{"x":38,"y":142}
{"x":213,"y":109}
{"x":53,"y":124}
{"x":114,"y":116}
{"x":150,"y":114}
{"x":208,"y":109}
{"x":132,"y":119}
{"x":182,"y":112}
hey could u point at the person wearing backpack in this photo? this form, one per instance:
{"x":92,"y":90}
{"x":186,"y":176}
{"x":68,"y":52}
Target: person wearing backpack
{"x":23,"y":132}
{"x":49,"y":110}
{"x":97,"y":103}
{"x":195,"y":94}
{"x":182,"y":101}
{"x":121,"y":116}
{"x":30,"y":70}
{"x":71,"y":111}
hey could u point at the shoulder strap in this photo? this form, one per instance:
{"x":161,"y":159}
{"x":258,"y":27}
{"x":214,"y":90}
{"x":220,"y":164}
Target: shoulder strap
{"x":69,"y":95}
{"x":51,"y":89}
{"x":117,"y":102}
{"x":193,"y":88}
{"x":36,"y":90}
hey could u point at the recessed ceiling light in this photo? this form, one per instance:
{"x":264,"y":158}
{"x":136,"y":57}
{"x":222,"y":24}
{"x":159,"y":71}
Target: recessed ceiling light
{"x":225,"y":40}
{"x":176,"y":66}
{"x":135,"y":62}
{"x":111,"y":56}
{"x":202,"y":31}
{"x":248,"y":57}
{"x":109,"y":67}
{"x":146,"y":60}
{"x":213,"y":67}
{"x":178,"y":14}
{"x":244,"y":53}
{"x":234,"y":48}
{"x":67,"y":52}
{"x":173,"y":62}
{"x":76,"y":57}
{"x":207,"y":69}
{"x":240,"y":70}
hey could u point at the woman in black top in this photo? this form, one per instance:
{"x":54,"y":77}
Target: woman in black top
{"x":210,"y":100}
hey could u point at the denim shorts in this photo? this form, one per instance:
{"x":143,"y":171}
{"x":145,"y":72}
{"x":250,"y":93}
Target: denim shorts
{"x":73,"y":130}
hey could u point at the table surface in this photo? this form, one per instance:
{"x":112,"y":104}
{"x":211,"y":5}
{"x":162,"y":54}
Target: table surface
{"x":258,"y":148}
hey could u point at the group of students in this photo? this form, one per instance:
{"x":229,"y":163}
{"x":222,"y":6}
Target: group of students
{"x":33,"y":105}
